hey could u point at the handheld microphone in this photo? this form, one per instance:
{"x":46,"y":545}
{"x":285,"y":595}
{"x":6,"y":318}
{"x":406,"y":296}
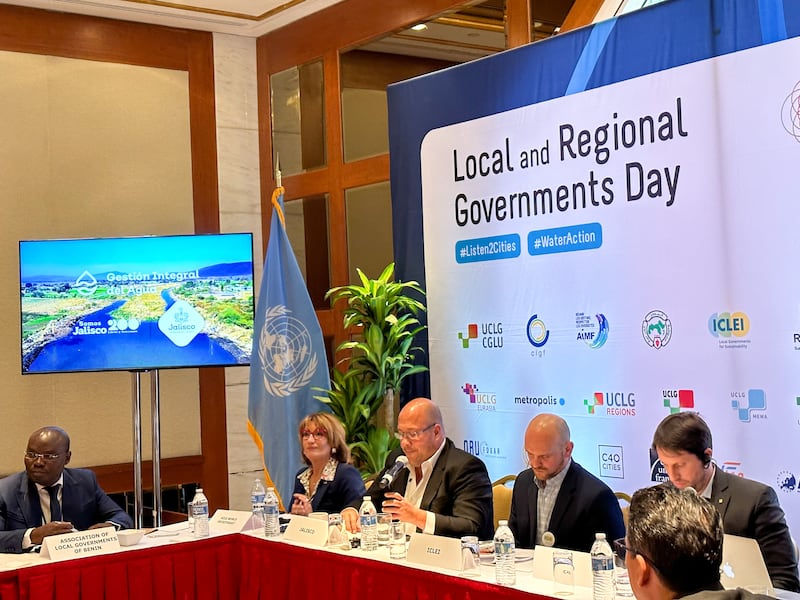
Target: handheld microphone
{"x":388,"y":477}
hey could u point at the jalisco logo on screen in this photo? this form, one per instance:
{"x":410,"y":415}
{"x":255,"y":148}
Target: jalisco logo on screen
{"x":481,"y":400}
{"x":612,"y":404}
{"x":490,"y":333}
{"x":678,"y":400}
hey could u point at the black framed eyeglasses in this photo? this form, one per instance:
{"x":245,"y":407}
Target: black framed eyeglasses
{"x":412,"y":435}
{"x":622,"y":550}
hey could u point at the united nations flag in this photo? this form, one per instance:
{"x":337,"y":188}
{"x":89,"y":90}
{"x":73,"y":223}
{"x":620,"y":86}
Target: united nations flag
{"x":288,"y":359}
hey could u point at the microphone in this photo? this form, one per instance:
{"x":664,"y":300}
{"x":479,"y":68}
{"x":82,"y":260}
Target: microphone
{"x":388,"y":477}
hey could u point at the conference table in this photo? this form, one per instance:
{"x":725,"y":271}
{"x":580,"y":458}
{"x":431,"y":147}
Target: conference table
{"x":170,"y":564}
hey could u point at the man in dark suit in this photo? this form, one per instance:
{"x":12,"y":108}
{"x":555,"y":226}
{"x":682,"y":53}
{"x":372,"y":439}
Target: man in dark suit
{"x":748,"y":508}
{"x":443,"y":491}
{"x":47,"y":499}
{"x":674,"y":547}
{"x":557,"y":502}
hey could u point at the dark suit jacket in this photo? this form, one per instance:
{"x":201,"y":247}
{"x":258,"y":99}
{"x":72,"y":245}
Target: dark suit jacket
{"x":584,"y":506}
{"x":346,"y":488}
{"x":83,"y":504}
{"x":459,"y":493}
{"x":751,"y":509}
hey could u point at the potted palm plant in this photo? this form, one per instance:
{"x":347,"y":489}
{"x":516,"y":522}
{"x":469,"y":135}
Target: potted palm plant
{"x":382,"y":313}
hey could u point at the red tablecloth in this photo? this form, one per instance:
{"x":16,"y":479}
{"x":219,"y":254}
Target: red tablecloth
{"x":240,"y":566}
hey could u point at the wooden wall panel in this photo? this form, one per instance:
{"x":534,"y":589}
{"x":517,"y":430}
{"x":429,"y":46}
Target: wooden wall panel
{"x":75,"y":36}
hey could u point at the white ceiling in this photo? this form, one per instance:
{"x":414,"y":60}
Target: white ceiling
{"x":250,"y":18}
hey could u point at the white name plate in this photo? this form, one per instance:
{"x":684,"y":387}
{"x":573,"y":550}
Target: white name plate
{"x":435,"y":550}
{"x":305,"y":530}
{"x":231,"y":521}
{"x":80,"y":543}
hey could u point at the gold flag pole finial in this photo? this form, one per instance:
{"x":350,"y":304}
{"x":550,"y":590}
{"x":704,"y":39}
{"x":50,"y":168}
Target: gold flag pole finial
{"x":278,"y":191}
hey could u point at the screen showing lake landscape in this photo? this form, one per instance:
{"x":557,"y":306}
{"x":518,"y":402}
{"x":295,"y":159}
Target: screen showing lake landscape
{"x":136,"y":303}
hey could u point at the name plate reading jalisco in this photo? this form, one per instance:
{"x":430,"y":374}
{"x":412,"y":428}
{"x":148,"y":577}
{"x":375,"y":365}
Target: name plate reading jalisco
{"x":80,"y":543}
{"x":305,"y":530}
{"x":231,"y":521}
{"x":435,"y":550}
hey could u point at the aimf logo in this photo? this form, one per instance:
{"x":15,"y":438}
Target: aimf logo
{"x":678,"y":400}
{"x":592,"y":330}
{"x":744,"y":403}
{"x":657,"y":329}
{"x":482,"y":401}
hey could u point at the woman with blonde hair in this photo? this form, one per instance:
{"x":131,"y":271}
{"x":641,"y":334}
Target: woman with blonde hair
{"x":330,"y":482}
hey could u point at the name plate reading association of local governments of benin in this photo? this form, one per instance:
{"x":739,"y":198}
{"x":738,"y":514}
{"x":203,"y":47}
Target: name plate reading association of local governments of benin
{"x":308,"y":531}
{"x":435,"y":551}
{"x":231,"y":521}
{"x":80,"y":543}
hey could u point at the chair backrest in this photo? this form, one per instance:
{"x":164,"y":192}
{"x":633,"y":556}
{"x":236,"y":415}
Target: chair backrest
{"x":627,"y":501}
{"x":501,"y":498}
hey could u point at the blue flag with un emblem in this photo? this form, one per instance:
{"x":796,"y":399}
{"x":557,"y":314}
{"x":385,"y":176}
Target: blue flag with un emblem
{"x":288,"y":360}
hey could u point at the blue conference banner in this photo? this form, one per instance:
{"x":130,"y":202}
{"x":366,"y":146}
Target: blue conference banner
{"x":634,"y":158}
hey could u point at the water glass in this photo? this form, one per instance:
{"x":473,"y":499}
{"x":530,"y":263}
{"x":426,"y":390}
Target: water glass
{"x":621,"y":578}
{"x":470,"y":556}
{"x":337,"y":534}
{"x":563,"y":573}
{"x":397,"y":540}
{"x":384,"y":523}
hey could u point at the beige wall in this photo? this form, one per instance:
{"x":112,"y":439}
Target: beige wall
{"x":89,"y":149}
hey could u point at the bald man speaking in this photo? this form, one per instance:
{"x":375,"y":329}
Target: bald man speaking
{"x":442,"y":490}
{"x":556,"y":502}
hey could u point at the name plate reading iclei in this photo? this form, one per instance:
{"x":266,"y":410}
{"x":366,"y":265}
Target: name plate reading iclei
{"x":231,"y":521}
{"x":80,"y":543}
{"x":305,"y":530}
{"x":435,"y":550}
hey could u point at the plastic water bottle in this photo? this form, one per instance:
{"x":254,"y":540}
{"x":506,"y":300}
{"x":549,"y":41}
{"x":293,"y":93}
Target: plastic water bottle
{"x":257,"y":494}
{"x":272,"y":524}
{"x":504,"y":550}
{"x":200,"y":514}
{"x":602,"y":569}
{"x":368,"y":519}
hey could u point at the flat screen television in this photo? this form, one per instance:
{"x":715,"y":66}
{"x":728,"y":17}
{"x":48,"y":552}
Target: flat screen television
{"x":136,"y":303}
